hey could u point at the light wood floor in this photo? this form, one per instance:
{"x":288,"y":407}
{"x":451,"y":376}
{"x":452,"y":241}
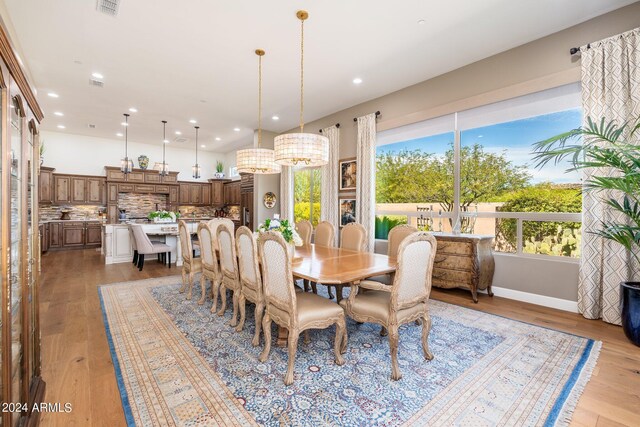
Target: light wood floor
{"x":77,"y":364}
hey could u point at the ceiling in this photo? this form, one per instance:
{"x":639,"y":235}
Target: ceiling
{"x":182,"y":60}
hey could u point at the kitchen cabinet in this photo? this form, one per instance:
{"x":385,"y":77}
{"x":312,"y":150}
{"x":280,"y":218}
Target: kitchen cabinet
{"x":193,"y":194}
{"x":217,"y":192}
{"x":112,"y":214}
{"x":206,"y":194}
{"x":74,"y":234}
{"x":45,"y":185}
{"x":55,"y":235}
{"x":196,"y":194}
{"x":173,"y":195}
{"x":232,"y":193}
{"x":95,"y":190}
{"x":93,"y":235}
{"x":185,"y":194}
{"x":62,"y":189}
{"x":78,"y":189}
{"x":112,"y":193}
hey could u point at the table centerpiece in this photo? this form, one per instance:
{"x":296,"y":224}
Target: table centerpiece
{"x":283,"y":227}
{"x":163,"y":216}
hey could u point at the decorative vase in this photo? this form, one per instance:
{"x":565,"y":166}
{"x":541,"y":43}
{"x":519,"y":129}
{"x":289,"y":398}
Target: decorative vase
{"x":219,"y":175}
{"x":143,"y":161}
{"x":630,"y":310}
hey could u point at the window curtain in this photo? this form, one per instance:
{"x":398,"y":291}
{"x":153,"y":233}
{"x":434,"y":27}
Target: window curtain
{"x":329,"y":208}
{"x":286,"y":193}
{"x":366,"y":177}
{"x":610,"y":90}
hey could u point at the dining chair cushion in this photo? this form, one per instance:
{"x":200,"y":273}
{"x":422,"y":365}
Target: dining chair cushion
{"x":375,"y":304}
{"x":313,"y":308}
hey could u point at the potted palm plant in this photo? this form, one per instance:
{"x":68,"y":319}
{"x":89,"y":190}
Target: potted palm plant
{"x":219,"y":170}
{"x":611,"y":146}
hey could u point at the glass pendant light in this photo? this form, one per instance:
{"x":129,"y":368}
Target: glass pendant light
{"x":126,"y":164}
{"x":301,"y":149}
{"x":164,"y":167}
{"x":257,"y":160}
{"x":196,"y":168}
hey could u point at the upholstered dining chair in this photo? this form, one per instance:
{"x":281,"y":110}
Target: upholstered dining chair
{"x":144,"y":246}
{"x":353,"y":237}
{"x":229,"y":270}
{"x":133,"y":246}
{"x":295,"y":311}
{"x":209,"y":260}
{"x":190,"y":264}
{"x":325,"y":234}
{"x":250,"y":279}
{"x":304,"y":229}
{"x":403,"y":302}
{"x":396,"y":236}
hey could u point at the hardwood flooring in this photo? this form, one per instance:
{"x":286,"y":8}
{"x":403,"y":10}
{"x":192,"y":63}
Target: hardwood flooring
{"x":77,"y":364}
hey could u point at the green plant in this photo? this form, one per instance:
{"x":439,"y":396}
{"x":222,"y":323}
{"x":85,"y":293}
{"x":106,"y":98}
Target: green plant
{"x":609,"y":146}
{"x":385,"y":223}
{"x":163,"y":215}
{"x":42,"y":147}
{"x":219,"y":166}
{"x":288,"y":232}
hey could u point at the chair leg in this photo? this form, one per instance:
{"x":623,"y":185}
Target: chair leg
{"x":169,"y":255}
{"x":393,"y":347}
{"x":329,"y":291}
{"x":426,"y":328}
{"x":307,"y":338}
{"x":135,"y":256}
{"x":314,"y":287}
{"x":234,"y":314}
{"x":158,"y":256}
{"x":266,"y":327}
{"x":141,"y":262}
{"x":184,"y":279}
{"x":383,"y":331}
{"x":242,"y":306}
{"x":190,"y":275}
{"x":258,"y":314}
{"x":341,"y":330}
{"x":293,"y":349}
{"x":223,"y":299}
{"x":203,"y":287}
{"x":215,"y":290}
{"x":306,"y":285}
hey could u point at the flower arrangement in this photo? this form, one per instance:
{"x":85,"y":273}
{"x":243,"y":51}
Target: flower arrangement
{"x":163,"y":216}
{"x":283,"y":227}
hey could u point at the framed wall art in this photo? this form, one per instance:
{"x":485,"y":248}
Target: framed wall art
{"x":348,"y":171}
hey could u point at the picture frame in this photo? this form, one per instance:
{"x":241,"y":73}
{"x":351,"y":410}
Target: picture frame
{"x":348,"y":172}
{"x":269,"y":200}
{"x":347,"y":210}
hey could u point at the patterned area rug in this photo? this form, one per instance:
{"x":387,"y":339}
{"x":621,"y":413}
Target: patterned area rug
{"x":178,"y":364}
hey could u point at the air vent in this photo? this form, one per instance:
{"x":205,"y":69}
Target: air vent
{"x":97,"y":83}
{"x":91,"y":126}
{"x":108,"y":7}
{"x":180,"y":139}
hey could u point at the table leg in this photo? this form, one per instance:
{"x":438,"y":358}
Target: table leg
{"x":338,"y":293}
{"x":283,"y":337}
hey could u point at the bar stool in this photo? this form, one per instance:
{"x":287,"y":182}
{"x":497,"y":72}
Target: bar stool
{"x":145,"y":246}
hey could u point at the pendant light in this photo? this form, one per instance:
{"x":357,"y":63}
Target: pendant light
{"x":126,"y":164}
{"x":196,"y":168}
{"x":257,"y":160}
{"x":164,"y":167}
{"x":301,"y":149}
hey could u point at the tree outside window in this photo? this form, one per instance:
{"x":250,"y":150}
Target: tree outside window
{"x":306,"y":196}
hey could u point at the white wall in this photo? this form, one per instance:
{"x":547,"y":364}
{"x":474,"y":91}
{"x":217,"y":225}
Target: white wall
{"x":85,"y":155}
{"x":265,"y":183}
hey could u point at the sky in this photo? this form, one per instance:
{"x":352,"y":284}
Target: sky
{"x":514,"y":138}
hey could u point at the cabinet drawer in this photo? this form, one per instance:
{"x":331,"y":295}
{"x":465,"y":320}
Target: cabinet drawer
{"x":162,"y":189}
{"x":460,"y":277}
{"x":136,"y":177}
{"x":453,"y":262}
{"x":115,"y":176}
{"x":125,"y":188}
{"x":142,"y":188}
{"x":170,"y":179}
{"x":73,"y":224}
{"x":151,"y":177}
{"x":455,"y":248}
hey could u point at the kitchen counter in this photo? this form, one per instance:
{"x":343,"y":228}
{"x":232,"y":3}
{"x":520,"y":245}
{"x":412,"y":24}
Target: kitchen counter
{"x":48,"y":221}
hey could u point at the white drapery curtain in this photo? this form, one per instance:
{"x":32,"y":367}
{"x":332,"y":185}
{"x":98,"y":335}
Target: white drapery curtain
{"x":610,"y":90}
{"x":366,"y":177}
{"x":329,"y":208}
{"x":286,"y":193}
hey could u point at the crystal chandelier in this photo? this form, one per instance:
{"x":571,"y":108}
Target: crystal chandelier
{"x":301,"y":149}
{"x":257,"y":160}
{"x":164,"y":167}
{"x":196,"y":168}
{"x":126,"y":164}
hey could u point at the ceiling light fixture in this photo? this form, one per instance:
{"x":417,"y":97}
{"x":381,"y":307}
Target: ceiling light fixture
{"x":126,"y":164}
{"x":357,"y":81}
{"x":218,"y":138}
{"x":196,"y":168}
{"x":257,"y":160}
{"x":53,"y":95}
{"x":97,"y":76}
{"x":124,"y":123}
{"x":119,"y":134}
{"x":236,"y":129}
{"x":193,"y":121}
{"x":294,"y":149}
{"x":275,"y":118}
{"x":203,"y":146}
{"x":61,"y":126}
{"x":178,"y":132}
{"x":164,"y":167}
{"x":421,"y":22}
{"x":133,"y":110}
{"x":58,"y":113}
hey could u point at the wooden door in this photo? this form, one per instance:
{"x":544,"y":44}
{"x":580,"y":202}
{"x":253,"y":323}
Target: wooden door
{"x":94,"y":190}
{"x":93,"y":234}
{"x":73,"y":235}
{"x":196,"y":194}
{"x":62,"y":185}
{"x":185,"y":194}
{"x":236,"y":193}
{"x":173,"y":195}
{"x":227,"y":194}
{"x":217,"y":193}
{"x":45,"y":184}
{"x":55,"y":235}
{"x":206,"y":194}
{"x":78,"y":190}
{"x":112,"y":196}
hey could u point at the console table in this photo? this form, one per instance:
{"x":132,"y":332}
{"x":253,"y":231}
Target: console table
{"x":464,"y":261}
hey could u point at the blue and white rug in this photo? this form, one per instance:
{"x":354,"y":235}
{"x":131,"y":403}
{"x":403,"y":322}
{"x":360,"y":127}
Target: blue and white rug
{"x":173,"y":355}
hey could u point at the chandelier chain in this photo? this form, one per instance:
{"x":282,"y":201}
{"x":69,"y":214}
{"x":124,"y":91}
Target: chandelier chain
{"x":302,"y":76}
{"x":259,"y":101}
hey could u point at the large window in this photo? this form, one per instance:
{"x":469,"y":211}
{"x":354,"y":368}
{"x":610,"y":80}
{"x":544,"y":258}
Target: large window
{"x":306,"y":197}
{"x":497,"y":190}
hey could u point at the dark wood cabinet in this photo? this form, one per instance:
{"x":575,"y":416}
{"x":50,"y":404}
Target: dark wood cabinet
{"x":185,"y":194}
{"x":93,"y":235}
{"x":78,"y":189}
{"x":217,"y":192}
{"x":95,"y":190}
{"x":173,"y":195}
{"x":206,"y":194}
{"x":195,"y":194}
{"x":45,"y":185}
{"x":62,"y":189}
{"x":192,"y":194}
{"x":73,"y":234}
{"x":232,"y":193}
{"x":112,"y":193}
{"x":55,"y":235}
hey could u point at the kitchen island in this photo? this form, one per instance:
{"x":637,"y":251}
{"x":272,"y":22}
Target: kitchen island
{"x":117,"y":246}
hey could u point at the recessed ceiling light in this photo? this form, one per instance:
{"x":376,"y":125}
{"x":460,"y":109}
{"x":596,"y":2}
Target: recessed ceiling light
{"x":275,"y":118}
{"x":77,"y":62}
{"x":53,"y":95}
{"x":133,"y":110}
{"x":236,"y":129}
{"x":97,"y":76}
{"x":218,"y":138}
{"x":178,"y":132}
{"x":124,"y":124}
{"x":203,"y":146}
{"x":61,"y":126}
{"x":166,"y":141}
{"x":193,"y":121}
{"x":58,"y":113}
{"x":421,"y":22}
{"x":118,"y":134}
{"x":357,"y":80}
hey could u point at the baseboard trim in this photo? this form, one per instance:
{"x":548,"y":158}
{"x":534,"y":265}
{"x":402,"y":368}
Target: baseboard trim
{"x":543,"y":300}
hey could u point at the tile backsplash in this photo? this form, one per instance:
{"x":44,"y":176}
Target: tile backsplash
{"x":78,"y":212}
{"x":137,"y":205}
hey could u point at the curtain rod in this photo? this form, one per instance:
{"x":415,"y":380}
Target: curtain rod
{"x":355,"y":119}
{"x":337,"y":125}
{"x":576,"y":50}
